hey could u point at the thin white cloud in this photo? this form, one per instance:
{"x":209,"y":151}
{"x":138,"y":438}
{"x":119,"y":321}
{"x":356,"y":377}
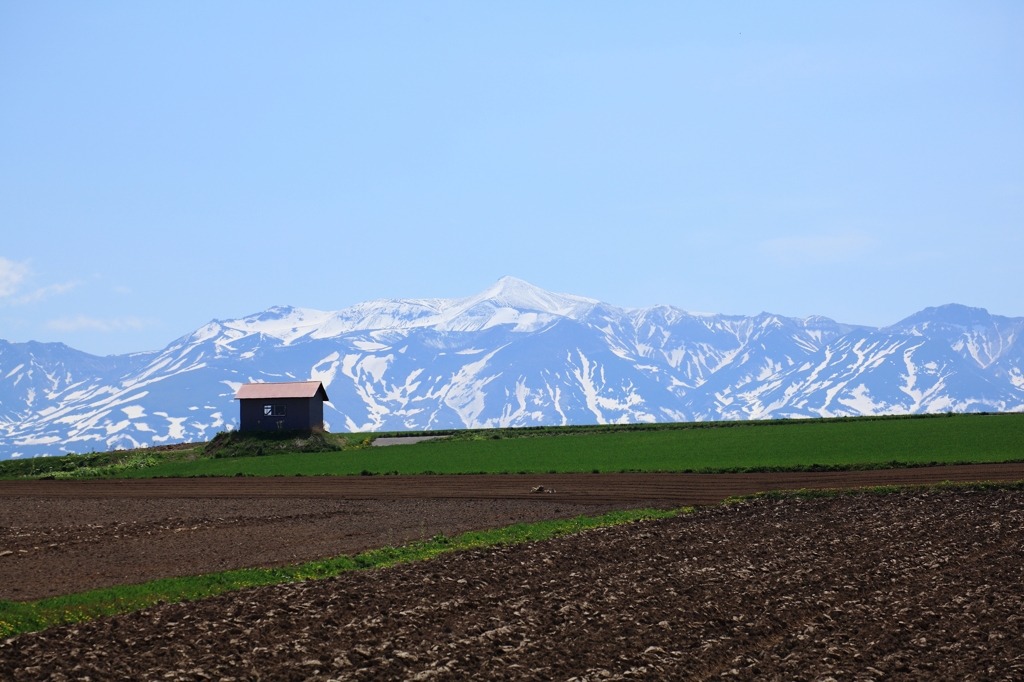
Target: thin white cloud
{"x":45,"y":292}
{"x":11,"y":276}
{"x":83,"y":323}
{"x":817,"y":249}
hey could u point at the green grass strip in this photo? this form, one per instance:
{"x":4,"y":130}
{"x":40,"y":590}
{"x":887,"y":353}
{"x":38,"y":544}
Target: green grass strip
{"x":20,"y":617}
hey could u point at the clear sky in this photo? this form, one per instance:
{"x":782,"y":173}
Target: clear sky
{"x":163,"y":164}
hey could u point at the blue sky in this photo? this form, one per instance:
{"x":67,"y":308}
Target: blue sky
{"x":164,"y":164}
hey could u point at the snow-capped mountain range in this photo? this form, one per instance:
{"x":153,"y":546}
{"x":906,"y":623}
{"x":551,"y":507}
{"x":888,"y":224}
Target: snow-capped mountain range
{"x":513,"y":355}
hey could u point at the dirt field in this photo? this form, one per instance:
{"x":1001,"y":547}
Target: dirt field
{"x":910,"y":586}
{"x":59,"y":537}
{"x":60,"y":545}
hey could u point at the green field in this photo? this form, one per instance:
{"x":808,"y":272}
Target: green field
{"x":753,"y":446}
{"x":721,"y":446}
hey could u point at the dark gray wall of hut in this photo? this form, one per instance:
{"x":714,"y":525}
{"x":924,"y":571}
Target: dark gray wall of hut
{"x":300,"y":413}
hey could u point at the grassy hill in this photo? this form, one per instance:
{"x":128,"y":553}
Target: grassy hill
{"x":717,"y":446}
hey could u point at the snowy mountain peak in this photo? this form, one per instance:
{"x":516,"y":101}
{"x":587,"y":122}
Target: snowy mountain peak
{"x":510,"y":301}
{"x":511,"y":292}
{"x":972,"y":332}
{"x":952,"y":315}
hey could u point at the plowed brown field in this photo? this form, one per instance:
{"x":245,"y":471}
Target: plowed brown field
{"x":60,"y":546}
{"x":59,"y":537}
{"x":910,"y":586}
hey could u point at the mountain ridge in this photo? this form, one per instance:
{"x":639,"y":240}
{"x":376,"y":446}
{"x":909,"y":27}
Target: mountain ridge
{"x":511,"y":355}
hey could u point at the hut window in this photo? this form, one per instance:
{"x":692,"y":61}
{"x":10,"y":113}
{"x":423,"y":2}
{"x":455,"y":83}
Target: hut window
{"x":273,"y":410}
